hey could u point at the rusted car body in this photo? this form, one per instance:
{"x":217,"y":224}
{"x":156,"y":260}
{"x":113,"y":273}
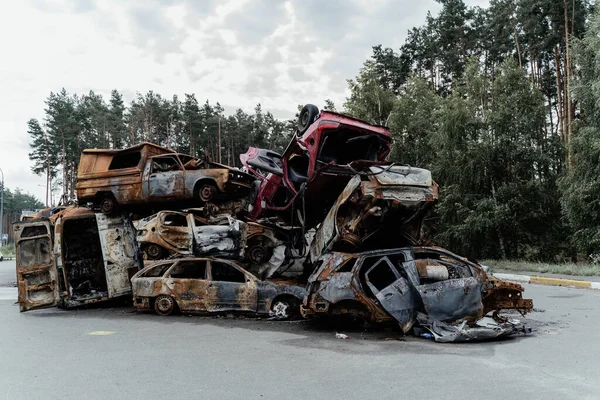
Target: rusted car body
{"x":317,"y":163}
{"x":74,"y":258}
{"x":411,"y":285}
{"x":384,"y":209}
{"x":170,"y":233}
{"x":212,"y":285}
{"x":148,"y":174}
{"x":260,"y":247}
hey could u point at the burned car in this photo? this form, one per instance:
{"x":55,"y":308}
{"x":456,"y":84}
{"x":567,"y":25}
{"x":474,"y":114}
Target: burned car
{"x":212,"y":285}
{"x":170,"y":233}
{"x":426,"y":286}
{"x":147,"y":174}
{"x":74,"y":258}
{"x":384,"y":209}
{"x":260,"y":247}
{"x":327,"y":150}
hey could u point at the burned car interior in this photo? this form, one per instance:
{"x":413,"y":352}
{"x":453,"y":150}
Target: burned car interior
{"x":83,"y":262}
{"x":329,"y":228}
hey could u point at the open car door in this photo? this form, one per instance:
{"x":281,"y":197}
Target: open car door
{"x":393,"y":292}
{"x":36,"y":270}
{"x":120,"y":253}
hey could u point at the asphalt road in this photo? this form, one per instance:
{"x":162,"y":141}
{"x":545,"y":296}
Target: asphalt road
{"x":116,"y":353}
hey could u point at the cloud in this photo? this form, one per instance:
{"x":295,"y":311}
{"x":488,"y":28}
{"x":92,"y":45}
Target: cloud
{"x":236,"y":52}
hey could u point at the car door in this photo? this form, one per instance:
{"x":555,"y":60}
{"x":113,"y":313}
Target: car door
{"x":393,"y":291}
{"x":452,"y":299}
{"x":36,"y":269}
{"x":224,"y":237}
{"x":120,"y":252}
{"x":175,"y":229}
{"x":230,"y":288}
{"x":166,"y":179}
{"x":188,"y":283}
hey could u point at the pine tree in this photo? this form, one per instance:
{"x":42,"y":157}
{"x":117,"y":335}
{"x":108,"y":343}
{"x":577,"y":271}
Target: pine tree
{"x":581,"y":187}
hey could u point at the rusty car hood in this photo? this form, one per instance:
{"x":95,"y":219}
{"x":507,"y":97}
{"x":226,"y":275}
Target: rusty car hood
{"x":399,"y":195}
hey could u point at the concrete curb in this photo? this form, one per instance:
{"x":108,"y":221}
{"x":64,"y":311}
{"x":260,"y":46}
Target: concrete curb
{"x":548,"y":281}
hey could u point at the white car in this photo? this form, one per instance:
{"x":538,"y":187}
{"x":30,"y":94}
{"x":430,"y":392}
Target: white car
{"x":1,"y":256}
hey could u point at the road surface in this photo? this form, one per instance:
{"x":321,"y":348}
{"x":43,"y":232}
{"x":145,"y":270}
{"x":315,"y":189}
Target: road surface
{"x":117,"y":353}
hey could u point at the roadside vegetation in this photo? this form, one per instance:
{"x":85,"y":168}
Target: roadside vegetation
{"x":543,"y":267}
{"x":8,"y":251}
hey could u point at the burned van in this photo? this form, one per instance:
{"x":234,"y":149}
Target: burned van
{"x":77,"y":257}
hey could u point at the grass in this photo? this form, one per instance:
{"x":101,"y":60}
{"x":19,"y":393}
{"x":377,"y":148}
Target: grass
{"x":552,"y":268}
{"x":8,"y":251}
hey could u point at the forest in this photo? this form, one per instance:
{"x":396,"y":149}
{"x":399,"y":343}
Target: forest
{"x":501,"y":103}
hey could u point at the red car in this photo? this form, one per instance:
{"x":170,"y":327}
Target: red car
{"x":326,"y":151}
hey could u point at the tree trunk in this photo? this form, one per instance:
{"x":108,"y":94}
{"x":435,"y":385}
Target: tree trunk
{"x":559,"y":100}
{"x":568,"y":87}
{"x":518,"y":46}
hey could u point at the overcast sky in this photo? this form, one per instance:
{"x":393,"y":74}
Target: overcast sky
{"x":237,"y":52}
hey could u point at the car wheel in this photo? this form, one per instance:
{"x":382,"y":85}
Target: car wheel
{"x":259,"y":250}
{"x":283,"y":308}
{"x":154,"y":252}
{"x":164,"y":305}
{"x":108,"y":205}
{"x":206,"y":192}
{"x":307,"y":116}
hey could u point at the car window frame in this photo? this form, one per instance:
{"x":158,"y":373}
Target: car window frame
{"x":167,"y":274}
{"x":247,"y":275}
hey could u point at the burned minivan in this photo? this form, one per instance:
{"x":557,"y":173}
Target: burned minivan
{"x":426,"y":286}
{"x":76,"y":257}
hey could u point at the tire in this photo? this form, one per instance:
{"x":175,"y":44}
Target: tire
{"x":259,"y":250}
{"x":307,"y":116}
{"x":164,"y":305}
{"x":154,"y":252}
{"x":284,"y":308}
{"x":206,"y":192}
{"x":108,"y":206}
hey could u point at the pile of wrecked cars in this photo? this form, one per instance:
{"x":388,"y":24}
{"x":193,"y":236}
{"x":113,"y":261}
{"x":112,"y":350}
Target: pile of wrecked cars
{"x":327,"y":229}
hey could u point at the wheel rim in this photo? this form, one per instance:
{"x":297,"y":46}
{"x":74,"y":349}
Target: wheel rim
{"x":280,"y":309}
{"x":258,"y":254}
{"x":164,"y":305}
{"x":304,"y":119}
{"x":154,"y":252}
{"x":206,"y":192}
{"x":107,"y":206}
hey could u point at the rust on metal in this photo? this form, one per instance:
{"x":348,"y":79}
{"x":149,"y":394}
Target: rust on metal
{"x":211,"y":285}
{"x":148,"y":174}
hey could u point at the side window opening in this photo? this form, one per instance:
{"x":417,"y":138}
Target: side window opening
{"x":189,"y":270}
{"x":347,"y":267}
{"x":381,"y":275}
{"x":226,"y":273}
{"x":165,"y":164}
{"x":31,"y":231}
{"x":127,"y":160}
{"x":157,"y":271}
{"x":175,"y":220}
{"x":457,"y":269}
{"x":34,"y":252}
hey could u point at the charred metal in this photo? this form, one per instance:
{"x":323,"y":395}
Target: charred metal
{"x":327,"y":228}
